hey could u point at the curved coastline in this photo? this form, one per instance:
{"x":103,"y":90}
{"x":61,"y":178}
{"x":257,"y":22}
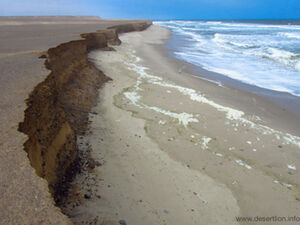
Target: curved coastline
{"x":155,"y":120}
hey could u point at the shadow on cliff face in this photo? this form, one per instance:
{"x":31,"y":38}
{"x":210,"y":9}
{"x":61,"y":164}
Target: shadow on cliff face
{"x":58,"y":107}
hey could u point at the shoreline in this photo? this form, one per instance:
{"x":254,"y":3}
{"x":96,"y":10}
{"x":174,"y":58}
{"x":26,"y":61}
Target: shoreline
{"x":155,"y":128}
{"x":244,"y":98}
{"x":283,"y":99}
{"x":277,"y":112}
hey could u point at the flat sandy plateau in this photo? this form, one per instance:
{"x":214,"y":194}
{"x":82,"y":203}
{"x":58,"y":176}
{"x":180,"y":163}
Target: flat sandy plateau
{"x":172,"y":153}
{"x":24,"y":197}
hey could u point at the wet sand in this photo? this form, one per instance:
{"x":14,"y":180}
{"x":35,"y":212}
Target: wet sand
{"x":175,"y":149}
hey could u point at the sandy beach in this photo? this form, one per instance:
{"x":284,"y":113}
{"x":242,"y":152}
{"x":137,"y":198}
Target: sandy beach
{"x":175,"y":149}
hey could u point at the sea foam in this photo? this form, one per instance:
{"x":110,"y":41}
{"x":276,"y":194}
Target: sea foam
{"x":186,"y":118}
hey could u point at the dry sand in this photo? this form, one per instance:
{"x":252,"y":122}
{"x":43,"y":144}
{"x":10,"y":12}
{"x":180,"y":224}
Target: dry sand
{"x":171,"y":154}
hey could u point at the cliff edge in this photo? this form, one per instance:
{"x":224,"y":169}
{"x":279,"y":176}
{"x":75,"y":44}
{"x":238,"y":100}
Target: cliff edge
{"x":58,"y":107}
{"x":57,"y":111}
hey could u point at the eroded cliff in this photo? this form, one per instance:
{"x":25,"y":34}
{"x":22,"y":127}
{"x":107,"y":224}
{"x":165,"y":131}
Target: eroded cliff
{"x":58,"y":107}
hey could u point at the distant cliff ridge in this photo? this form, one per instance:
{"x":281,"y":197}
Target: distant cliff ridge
{"x":58,"y":107}
{"x":50,"y":18}
{"x":21,"y":20}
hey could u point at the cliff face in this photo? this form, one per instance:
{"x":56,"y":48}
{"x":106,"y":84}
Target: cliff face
{"x":101,"y":39}
{"x":58,"y":107}
{"x":124,"y":28}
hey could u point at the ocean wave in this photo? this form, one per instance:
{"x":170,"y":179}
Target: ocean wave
{"x":245,"y":40}
{"x":279,"y":84}
{"x":277,"y":53}
{"x":197,"y":37}
{"x":284,"y":57}
{"x":262,"y":26}
{"x":191,"y":29}
{"x":297,"y":66}
{"x":290,"y":35}
{"x":214,"y":22}
{"x":223,"y":28}
{"x":236,"y":44}
{"x":233,"y":41}
{"x":244,"y":45}
{"x":220,"y":38}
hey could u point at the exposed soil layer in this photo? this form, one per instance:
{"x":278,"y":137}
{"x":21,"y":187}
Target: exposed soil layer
{"x":58,"y":107}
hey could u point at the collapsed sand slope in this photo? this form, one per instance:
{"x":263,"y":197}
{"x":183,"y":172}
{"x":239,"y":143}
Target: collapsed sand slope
{"x":58,"y":107}
{"x":55,"y":114}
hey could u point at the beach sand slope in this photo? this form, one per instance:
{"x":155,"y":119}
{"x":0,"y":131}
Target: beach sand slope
{"x":169,"y":154}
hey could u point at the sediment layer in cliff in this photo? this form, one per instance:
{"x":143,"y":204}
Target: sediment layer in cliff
{"x":58,"y":107}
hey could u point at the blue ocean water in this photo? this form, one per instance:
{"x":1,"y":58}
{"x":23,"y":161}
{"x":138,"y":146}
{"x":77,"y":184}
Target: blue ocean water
{"x":263,"y":53}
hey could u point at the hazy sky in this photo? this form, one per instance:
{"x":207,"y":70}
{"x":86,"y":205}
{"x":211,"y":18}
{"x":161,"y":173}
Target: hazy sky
{"x":160,"y":9}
